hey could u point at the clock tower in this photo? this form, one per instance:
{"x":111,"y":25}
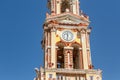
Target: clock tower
{"x":66,"y":44}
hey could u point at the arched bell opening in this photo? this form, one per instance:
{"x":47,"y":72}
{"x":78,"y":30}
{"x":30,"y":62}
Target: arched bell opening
{"x":65,"y":5}
{"x":60,"y":55}
{"x":76,"y":56}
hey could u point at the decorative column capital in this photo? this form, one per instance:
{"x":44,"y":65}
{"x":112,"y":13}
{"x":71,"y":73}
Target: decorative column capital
{"x":83,"y":31}
{"x":52,"y":27}
{"x":89,"y":30}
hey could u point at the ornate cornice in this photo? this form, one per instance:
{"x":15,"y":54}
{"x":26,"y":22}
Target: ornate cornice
{"x":75,"y":71}
{"x":78,"y":25}
{"x":82,"y":17}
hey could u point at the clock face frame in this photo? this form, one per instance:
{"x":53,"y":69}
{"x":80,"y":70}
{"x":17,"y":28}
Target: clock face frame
{"x":67,"y":36}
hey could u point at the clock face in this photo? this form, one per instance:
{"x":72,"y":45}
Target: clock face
{"x":67,"y":36}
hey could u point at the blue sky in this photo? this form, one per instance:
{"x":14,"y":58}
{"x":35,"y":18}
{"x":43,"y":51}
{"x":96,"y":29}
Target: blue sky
{"x":21,"y":32}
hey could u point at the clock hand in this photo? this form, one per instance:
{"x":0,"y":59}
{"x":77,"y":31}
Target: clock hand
{"x":67,"y":36}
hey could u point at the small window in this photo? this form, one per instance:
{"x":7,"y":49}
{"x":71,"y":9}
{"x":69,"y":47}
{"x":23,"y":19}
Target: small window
{"x":65,"y":5}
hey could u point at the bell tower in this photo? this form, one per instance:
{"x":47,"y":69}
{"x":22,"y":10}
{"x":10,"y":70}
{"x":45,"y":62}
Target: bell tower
{"x":66,"y":44}
{"x":61,"y":6}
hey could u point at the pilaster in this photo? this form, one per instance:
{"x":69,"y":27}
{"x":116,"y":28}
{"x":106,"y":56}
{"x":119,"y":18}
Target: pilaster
{"x":53,"y":48}
{"x":84,"y":49}
{"x":81,"y":59}
{"x":49,"y":50}
{"x":68,"y":58}
{"x":53,"y":2}
{"x":88,"y":48}
{"x":58,"y":8}
{"x":45,"y":50}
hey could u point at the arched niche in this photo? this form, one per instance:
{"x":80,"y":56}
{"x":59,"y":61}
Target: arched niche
{"x":60,"y":55}
{"x":76,"y":55}
{"x":65,"y":5}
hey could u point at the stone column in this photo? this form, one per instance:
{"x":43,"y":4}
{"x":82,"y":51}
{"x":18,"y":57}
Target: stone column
{"x":53,"y":55}
{"x":46,"y":53}
{"x":81,"y":59}
{"x":58,"y":8}
{"x":68,"y":58}
{"x":84,"y":49}
{"x":65,"y":59}
{"x":88,"y":48}
{"x":48,"y":49}
{"x":53,"y":2}
{"x":77,"y":7}
{"x":74,"y":7}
